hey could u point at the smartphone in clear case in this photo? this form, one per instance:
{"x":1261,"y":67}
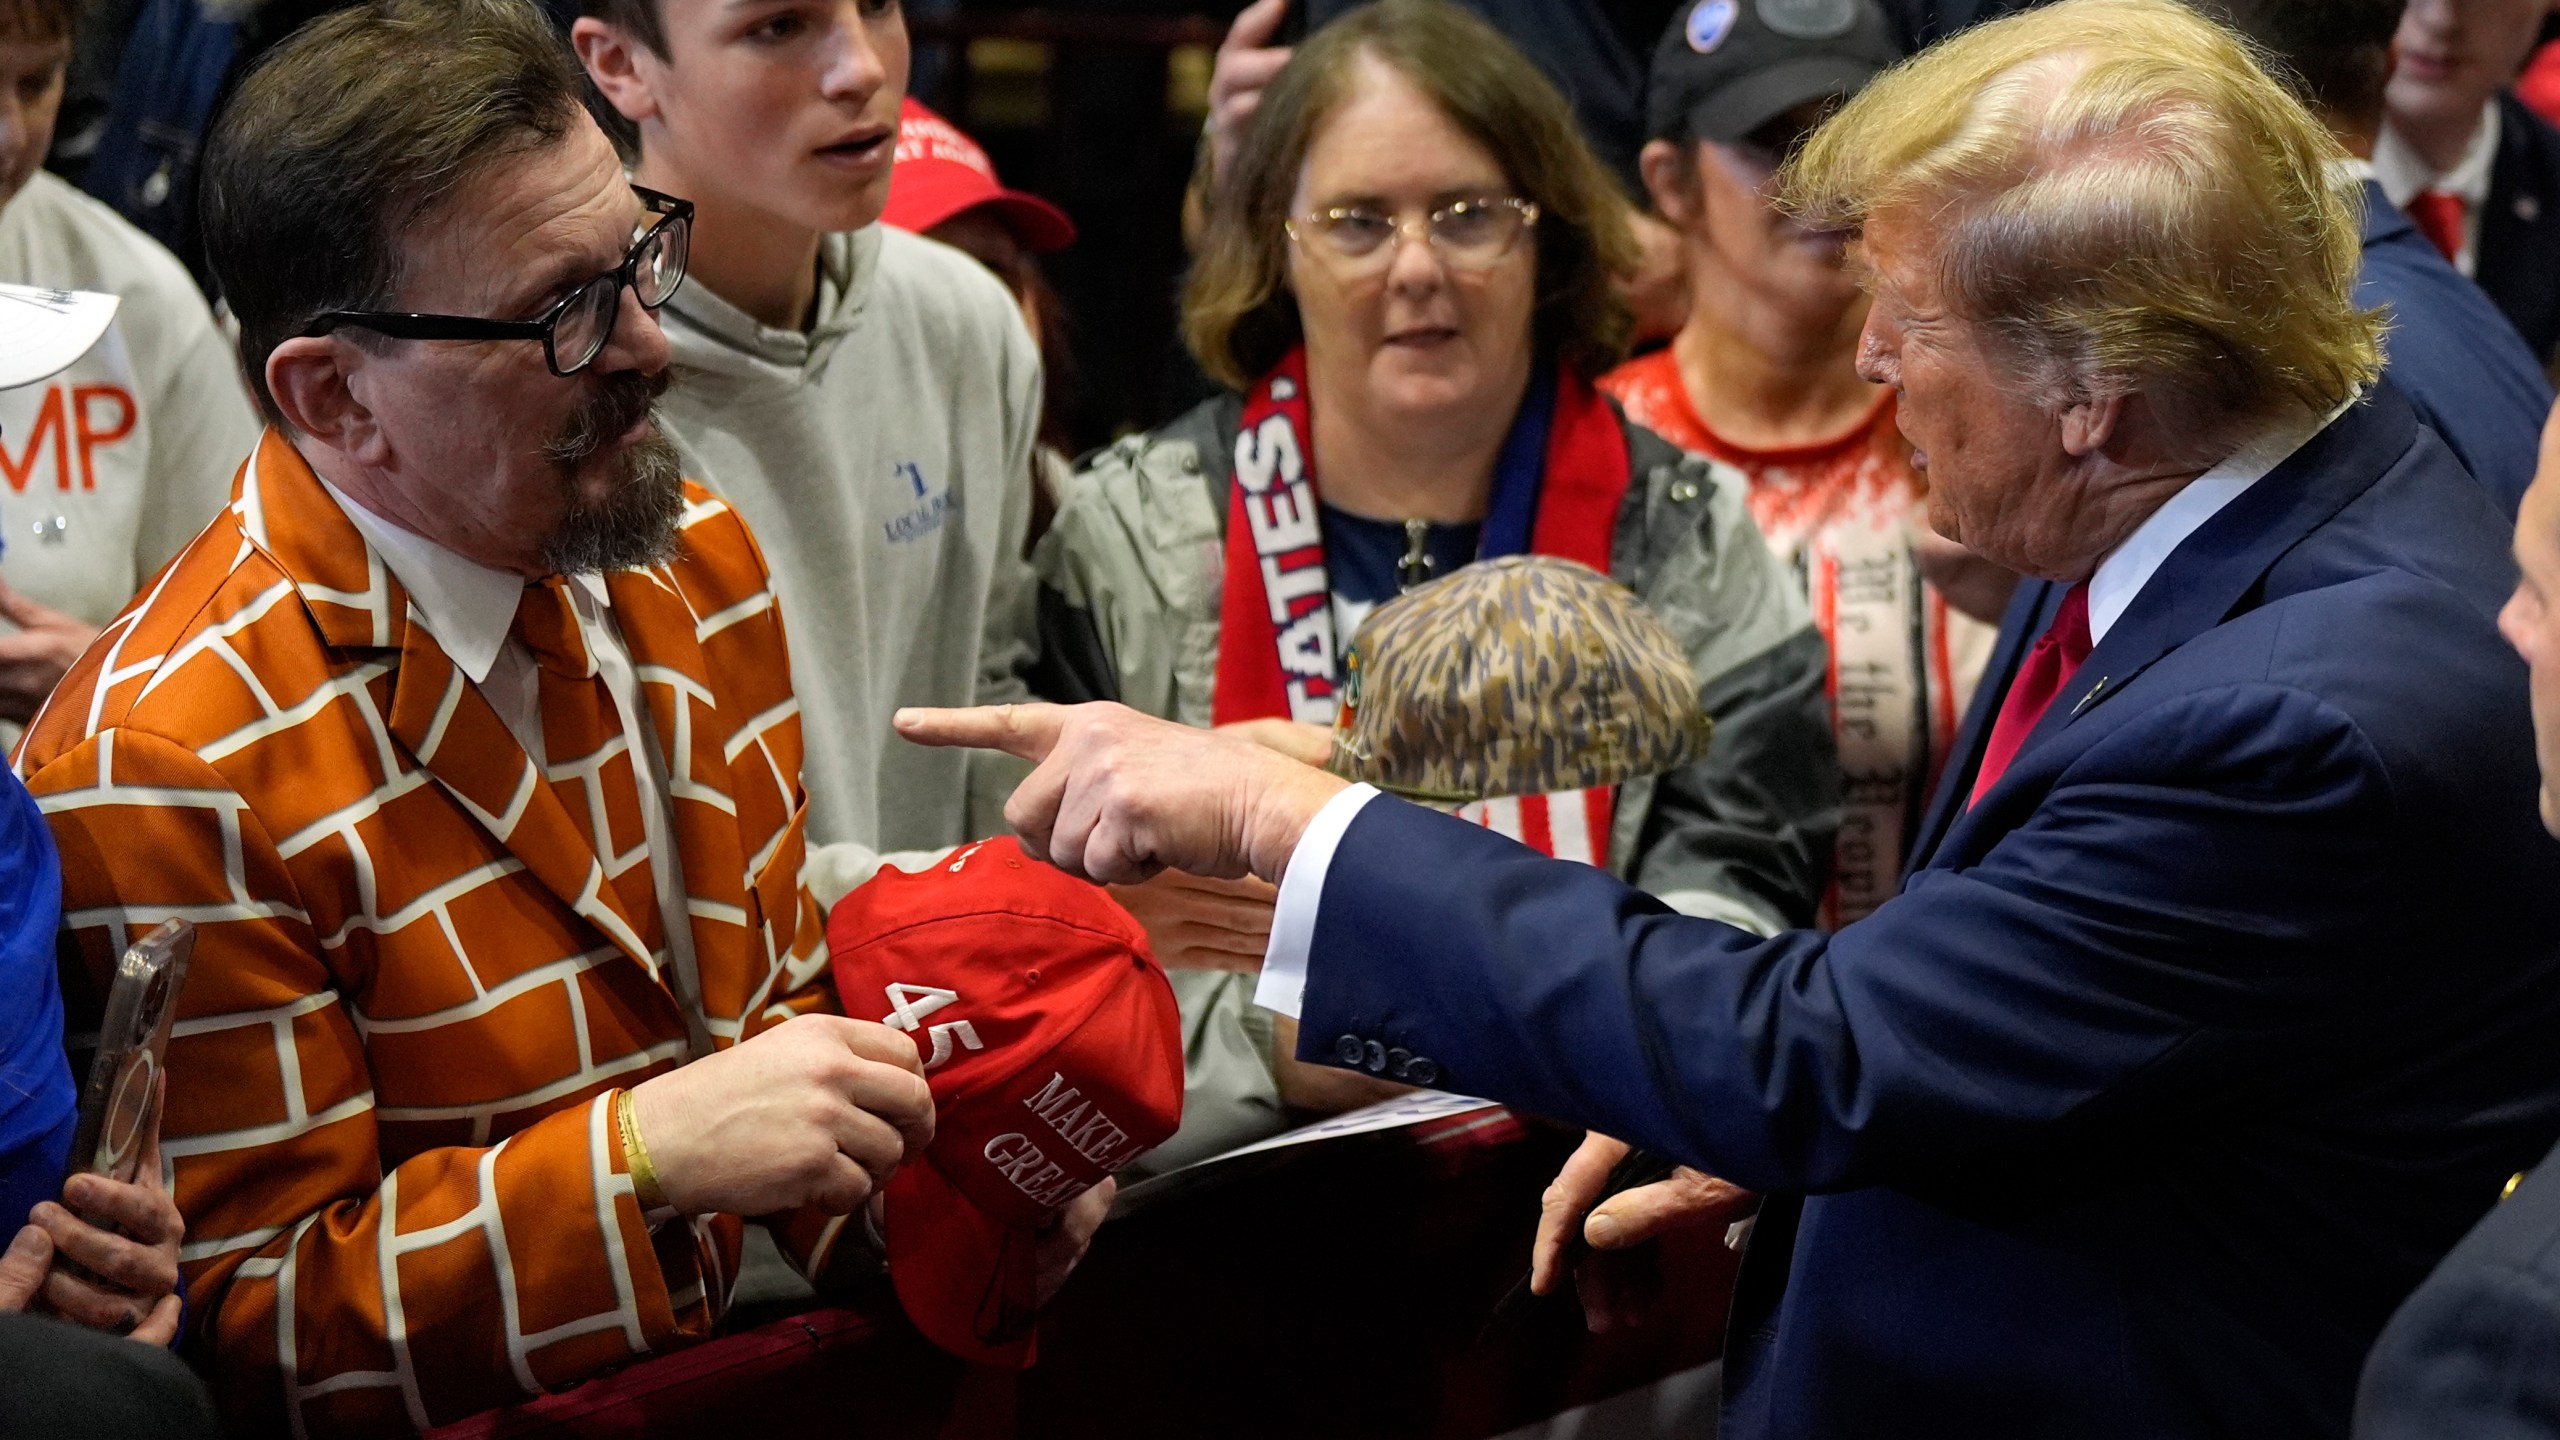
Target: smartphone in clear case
{"x":121,"y":1103}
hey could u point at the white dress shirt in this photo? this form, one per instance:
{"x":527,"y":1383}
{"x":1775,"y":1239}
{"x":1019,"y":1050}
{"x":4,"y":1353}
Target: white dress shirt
{"x":2404,"y":173}
{"x":2130,"y":566}
{"x":471,"y":611}
{"x":2119,"y":578}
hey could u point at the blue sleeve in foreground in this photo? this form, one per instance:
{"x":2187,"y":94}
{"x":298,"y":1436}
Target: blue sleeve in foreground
{"x":38,"y":1102}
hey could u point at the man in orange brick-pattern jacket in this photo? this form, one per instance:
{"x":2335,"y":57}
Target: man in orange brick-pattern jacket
{"x":412,"y":1003}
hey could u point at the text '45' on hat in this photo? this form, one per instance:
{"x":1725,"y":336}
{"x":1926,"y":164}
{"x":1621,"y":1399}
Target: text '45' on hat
{"x":1054,"y":1049}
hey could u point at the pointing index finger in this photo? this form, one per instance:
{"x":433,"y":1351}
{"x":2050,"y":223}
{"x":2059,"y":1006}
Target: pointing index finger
{"x":1024,"y":731}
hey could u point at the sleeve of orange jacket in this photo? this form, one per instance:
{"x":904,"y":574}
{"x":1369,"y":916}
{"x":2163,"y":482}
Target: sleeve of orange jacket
{"x":352,"y":1298}
{"x":830,"y":1250}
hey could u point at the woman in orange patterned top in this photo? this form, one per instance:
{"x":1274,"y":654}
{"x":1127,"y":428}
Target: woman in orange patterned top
{"x":1764,"y":378}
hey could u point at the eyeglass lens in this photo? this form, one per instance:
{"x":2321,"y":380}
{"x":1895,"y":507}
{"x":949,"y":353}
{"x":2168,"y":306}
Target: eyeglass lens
{"x":587,"y":323}
{"x":1469,"y":234}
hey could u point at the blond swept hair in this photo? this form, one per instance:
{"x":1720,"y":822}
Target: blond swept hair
{"x":2120,"y":193}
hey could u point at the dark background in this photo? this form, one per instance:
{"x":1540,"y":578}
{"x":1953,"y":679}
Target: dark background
{"x":1097,"y":106}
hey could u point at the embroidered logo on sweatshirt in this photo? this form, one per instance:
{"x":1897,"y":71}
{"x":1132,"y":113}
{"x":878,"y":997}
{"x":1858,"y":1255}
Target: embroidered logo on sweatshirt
{"x":933,"y":505}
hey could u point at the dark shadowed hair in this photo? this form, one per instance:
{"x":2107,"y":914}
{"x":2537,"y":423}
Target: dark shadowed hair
{"x":639,"y":19}
{"x":2336,"y":53}
{"x":1238,"y":314}
{"x":354,"y":131}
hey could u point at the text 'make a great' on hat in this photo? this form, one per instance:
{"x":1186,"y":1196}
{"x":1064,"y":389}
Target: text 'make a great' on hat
{"x":1725,"y":68}
{"x":1054,"y":1049}
{"x":939,"y":172}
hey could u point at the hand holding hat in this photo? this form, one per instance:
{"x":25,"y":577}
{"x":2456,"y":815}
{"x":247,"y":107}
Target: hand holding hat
{"x":817,"y":1111}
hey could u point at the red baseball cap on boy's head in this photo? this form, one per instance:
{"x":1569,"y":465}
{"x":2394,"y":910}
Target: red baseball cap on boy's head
{"x":940,"y":172}
{"x":1054,"y":1050}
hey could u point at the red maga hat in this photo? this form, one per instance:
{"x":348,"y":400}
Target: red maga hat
{"x":1054,"y":1049}
{"x":940,"y":172}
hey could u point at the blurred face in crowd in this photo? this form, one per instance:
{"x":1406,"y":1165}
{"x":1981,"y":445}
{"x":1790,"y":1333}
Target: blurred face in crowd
{"x":2531,"y":621}
{"x":1996,"y":460}
{"x":30,"y":98}
{"x":1720,"y":196}
{"x":476,"y":445}
{"x":983,"y":237}
{"x":784,"y":107}
{"x":1410,"y":333}
{"x":2455,"y":54}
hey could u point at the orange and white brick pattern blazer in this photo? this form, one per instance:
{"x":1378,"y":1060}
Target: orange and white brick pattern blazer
{"x":413,"y":995}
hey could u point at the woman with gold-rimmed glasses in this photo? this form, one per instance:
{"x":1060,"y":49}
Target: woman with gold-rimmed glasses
{"x":1406,"y":277}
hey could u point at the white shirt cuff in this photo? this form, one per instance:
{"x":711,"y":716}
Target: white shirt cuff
{"x":1283,"y":986}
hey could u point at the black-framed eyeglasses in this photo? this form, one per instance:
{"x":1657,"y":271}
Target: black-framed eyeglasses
{"x":575,"y":331}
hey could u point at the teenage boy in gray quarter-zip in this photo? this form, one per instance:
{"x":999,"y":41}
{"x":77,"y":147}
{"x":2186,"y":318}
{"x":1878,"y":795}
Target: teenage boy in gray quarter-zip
{"x":867,"y":399}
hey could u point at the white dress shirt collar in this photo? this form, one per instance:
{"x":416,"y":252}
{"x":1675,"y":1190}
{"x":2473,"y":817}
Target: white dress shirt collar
{"x":469,"y":607}
{"x":2403,"y":172}
{"x":2130,"y":566}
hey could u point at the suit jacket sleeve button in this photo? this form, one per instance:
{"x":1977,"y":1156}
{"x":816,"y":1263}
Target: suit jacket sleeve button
{"x":1423,"y":1071}
{"x":1397,"y":1060}
{"x":1348,"y":1050}
{"x":1374,"y":1058}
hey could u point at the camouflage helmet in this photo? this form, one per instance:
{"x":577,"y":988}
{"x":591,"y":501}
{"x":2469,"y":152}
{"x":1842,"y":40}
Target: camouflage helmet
{"x":1525,"y":675}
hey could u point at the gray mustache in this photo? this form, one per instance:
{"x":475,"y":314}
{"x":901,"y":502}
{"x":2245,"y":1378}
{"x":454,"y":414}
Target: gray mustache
{"x":614,"y":405}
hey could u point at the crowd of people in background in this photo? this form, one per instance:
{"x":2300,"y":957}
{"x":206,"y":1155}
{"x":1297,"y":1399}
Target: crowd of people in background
{"x":542,"y":446}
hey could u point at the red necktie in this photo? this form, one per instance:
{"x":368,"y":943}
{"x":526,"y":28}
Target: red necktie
{"x":2049,"y":667}
{"x":2439,"y":216}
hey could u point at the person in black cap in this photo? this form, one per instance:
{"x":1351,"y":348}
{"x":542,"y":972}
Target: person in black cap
{"x":1735,"y":71}
{"x":1763,"y":376}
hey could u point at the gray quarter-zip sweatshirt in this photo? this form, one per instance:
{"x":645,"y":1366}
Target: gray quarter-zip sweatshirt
{"x":883,"y":460}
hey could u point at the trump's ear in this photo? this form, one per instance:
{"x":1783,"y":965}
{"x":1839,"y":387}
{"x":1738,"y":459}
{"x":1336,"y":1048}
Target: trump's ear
{"x":2088,"y":425}
{"x":312,"y":378}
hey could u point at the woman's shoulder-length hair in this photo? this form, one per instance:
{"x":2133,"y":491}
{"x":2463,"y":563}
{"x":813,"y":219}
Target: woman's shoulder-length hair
{"x":1238,"y":315}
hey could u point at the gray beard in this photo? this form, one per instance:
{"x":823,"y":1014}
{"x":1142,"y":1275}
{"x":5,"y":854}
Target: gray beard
{"x":633,"y":527}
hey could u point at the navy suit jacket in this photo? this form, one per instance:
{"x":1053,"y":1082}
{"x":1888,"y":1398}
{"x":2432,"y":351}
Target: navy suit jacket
{"x":2176,"y":1063}
{"x":2518,"y":259}
{"x":2476,"y":1351}
{"x":2453,"y":354}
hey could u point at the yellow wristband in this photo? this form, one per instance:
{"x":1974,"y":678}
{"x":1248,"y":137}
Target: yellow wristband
{"x":635,"y":1156}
